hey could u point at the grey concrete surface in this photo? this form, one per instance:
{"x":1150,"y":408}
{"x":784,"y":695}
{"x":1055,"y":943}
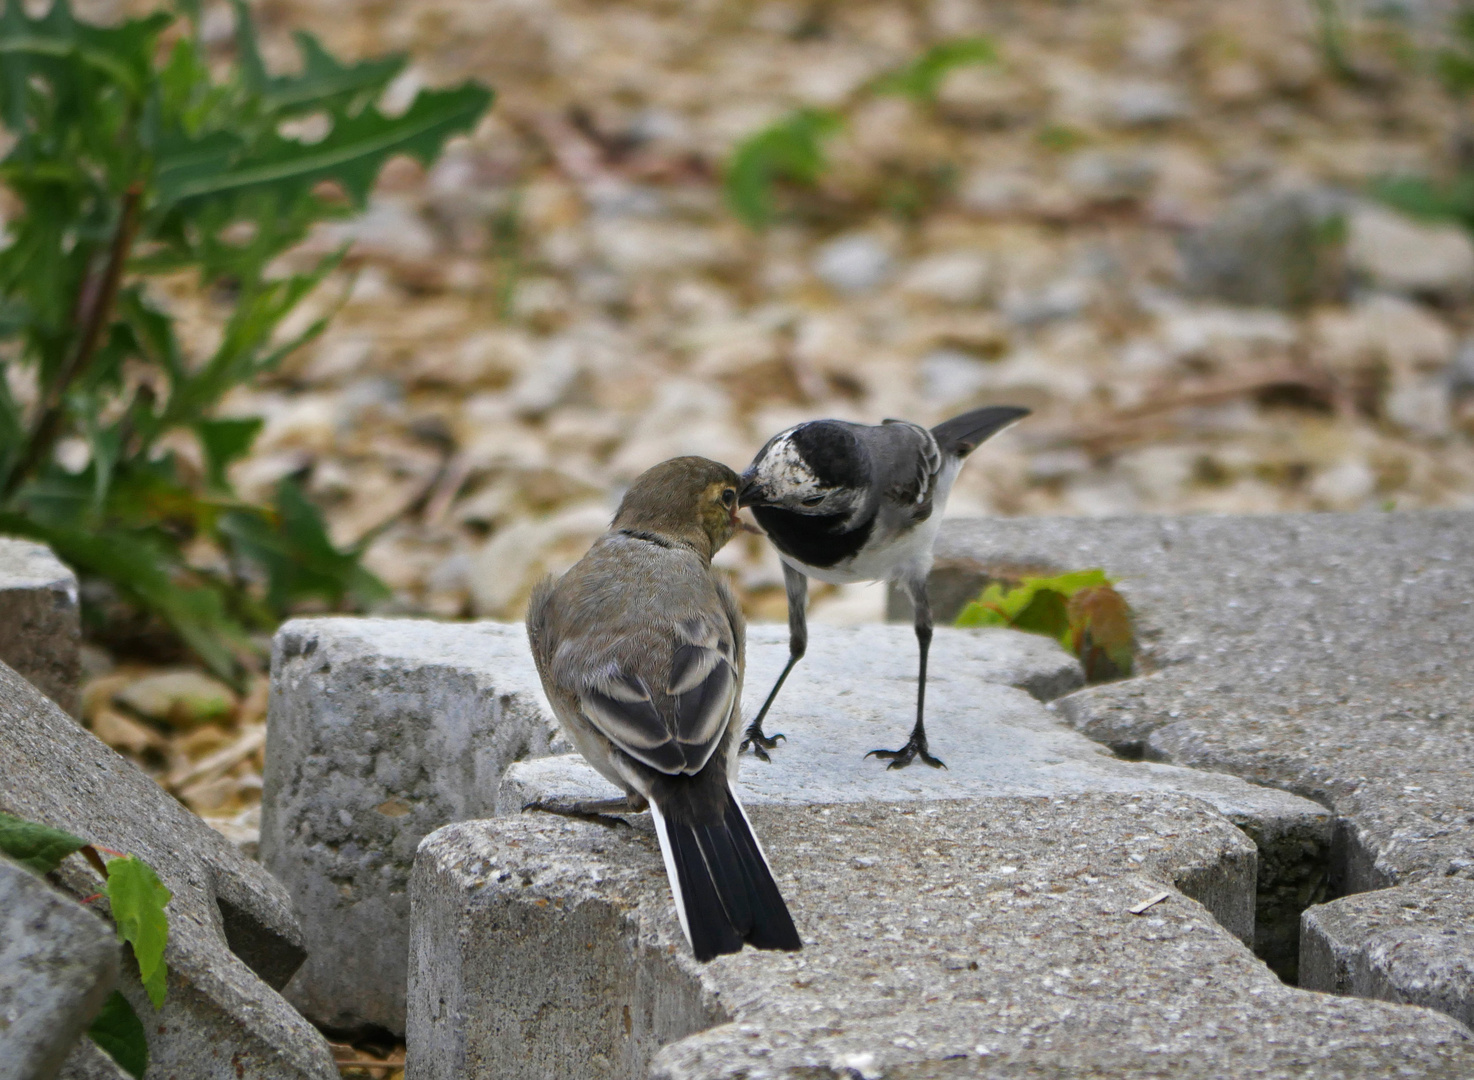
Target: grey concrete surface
{"x":88,"y":1062}
{"x":1325,"y":654}
{"x":381,"y":730}
{"x":1411,"y":943}
{"x":58,"y":963}
{"x":40,"y":620}
{"x":221,"y":1019}
{"x":985,"y":937}
{"x":855,"y":690}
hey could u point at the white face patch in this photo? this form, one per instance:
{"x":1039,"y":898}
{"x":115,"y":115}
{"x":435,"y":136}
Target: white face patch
{"x":785,"y":474}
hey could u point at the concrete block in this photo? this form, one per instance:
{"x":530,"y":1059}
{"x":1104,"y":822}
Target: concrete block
{"x":1322,"y":654}
{"x":960,"y":938}
{"x":58,"y":963}
{"x":1411,"y":944}
{"x":381,"y":730}
{"x":232,"y":931}
{"x":40,"y":620}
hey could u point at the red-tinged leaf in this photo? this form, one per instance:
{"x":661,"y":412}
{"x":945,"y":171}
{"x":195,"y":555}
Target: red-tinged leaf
{"x":1101,"y":633}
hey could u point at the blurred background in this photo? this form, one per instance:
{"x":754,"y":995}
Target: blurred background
{"x":1218,"y":248}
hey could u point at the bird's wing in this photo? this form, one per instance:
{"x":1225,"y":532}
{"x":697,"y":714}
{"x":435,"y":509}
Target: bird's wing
{"x":907,"y":462}
{"x":670,"y":719}
{"x":963,"y":434}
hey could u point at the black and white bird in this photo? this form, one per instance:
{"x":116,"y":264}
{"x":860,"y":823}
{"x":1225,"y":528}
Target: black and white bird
{"x":640,"y":647}
{"x":846,"y":502}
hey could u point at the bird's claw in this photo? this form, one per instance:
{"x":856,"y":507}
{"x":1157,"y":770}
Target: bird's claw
{"x":913,"y":749}
{"x":759,"y":742}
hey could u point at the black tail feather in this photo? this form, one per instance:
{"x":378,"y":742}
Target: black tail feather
{"x":963,"y":434}
{"x":726,"y":891}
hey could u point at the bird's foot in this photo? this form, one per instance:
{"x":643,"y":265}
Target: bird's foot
{"x":607,"y":812}
{"x":759,"y":742}
{"x":914,"y":748}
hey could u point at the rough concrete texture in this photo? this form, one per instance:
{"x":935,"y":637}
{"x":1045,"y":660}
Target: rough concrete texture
{"x":382,"y":730}
{"x":88,"y":1062}
{"x":40,"y":620}
{"x":58,"y":963}
{"x":988,"y":937}
{"x":856,"y":690}
{"x":221,"y":1018}
{"x":1326,"y":654}
{"x":1412,"y":943}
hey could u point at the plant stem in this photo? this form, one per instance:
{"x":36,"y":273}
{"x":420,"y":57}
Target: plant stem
{"x":94,"y":314}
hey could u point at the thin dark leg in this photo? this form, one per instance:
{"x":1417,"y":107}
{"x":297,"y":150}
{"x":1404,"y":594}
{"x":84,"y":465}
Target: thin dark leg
{"x":916,"y":745}
{"x":797,"y":587}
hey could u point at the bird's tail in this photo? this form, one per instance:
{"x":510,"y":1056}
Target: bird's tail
{"x":725,"y":894}
{"x":963,"y":434}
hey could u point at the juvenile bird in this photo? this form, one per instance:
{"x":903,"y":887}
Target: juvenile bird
{"x":847,"y":502}
{"x":641,"y":650}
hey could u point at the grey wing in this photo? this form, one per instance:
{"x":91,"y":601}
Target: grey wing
{"x":908,"y":464}
{"x":672,"y":721}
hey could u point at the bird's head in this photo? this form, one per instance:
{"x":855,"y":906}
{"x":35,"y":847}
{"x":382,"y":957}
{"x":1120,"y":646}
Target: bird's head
{"x":691,"y":499}
{"x":816,"y":469}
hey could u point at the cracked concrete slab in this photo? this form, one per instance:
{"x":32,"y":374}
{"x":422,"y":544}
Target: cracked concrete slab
{"x":1324,"y":654}
{"x":232,"y":933}
{"x":855,"y":690}
{"x":1411,"y":943}
{"x":40,"y":620}
{"x":968,"y":938}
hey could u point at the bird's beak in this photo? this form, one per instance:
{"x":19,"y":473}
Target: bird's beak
{"x":750,"y":493}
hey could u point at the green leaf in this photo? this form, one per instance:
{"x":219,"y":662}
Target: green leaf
{"x":352,"y":153}
{"x":1045,"y":614}
{"x":224,"y":441}
{"x":36,"y":847}
{"x":791,"y":149}
{"x":119,"y":1033}
{"x":299,"y":557}
{"x":920,"y":79}
{"x":138,"y":899}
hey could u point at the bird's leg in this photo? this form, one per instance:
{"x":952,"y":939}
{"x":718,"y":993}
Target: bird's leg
{"x":916,"y":745}
{"x":599,"y":811}
{"x":796,"y":585}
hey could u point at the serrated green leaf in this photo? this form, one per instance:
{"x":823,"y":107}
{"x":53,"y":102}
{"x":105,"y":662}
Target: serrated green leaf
{"x":119,"y":1033}
{"x":138,"y":899}
{"x":36,"y":847}
{"x":351,"y":153}
{"x":920,"y":79}
{"x":299,"y":557}
{"x":224,"y":441}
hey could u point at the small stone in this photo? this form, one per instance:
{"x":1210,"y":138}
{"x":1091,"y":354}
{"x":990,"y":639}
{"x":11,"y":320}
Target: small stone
{"x":1106,"y":177}
{"x":953,"y":277}
{"x":1421,"y":405}
{"x":182,"y":699}
{"x":1142,"y":103}
{"x":855,"y":263}
{"x":122,"y":732}
{"x":951,"y":376}
{"x":1401,"y":255}
{"x":1275,"y":248}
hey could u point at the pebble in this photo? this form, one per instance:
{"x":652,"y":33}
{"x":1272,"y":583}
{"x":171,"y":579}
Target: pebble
{"x":856,"y":263}
{"x":181,"y":699}
{"x":1401,"y":255}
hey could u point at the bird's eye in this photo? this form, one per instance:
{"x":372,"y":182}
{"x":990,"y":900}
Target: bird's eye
{"x":729,"y":496}
{"x":813,"y":500}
